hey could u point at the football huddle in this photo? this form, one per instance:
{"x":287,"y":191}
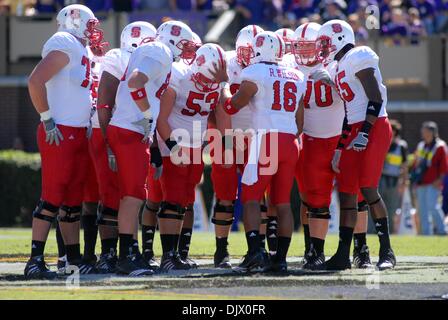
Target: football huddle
{"x":123,"y":132}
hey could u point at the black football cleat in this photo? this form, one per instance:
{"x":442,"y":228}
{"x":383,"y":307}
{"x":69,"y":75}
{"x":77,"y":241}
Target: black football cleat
{"x":361,"y":258}
{"x":305,"y":257}
{"x":386,"y":260}
{"x":84,"y":267}
{"x":133,"y":266}
{"x":252,"y":262}
{"x":107,"y":263}
{"x":171,"y":261}
{"x":36,"y":268}
{"x":337,"y":263}
{"x":190,"y":262}
{"x":314,"y":261}
{"x":61,"y":265}
{"x":266,"y":257}
{"x":222,"y":260}
{"x":148,"y":257}
{"x":277,"y":265}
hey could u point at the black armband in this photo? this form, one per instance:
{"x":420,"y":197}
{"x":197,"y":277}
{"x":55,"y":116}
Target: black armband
{"x":373,"y":108}
{"x":156,"y":156}
{"x":366,"y":126}
{"x":170,"y":143}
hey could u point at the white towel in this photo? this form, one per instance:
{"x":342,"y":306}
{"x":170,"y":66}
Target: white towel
{"x":250,"y":174}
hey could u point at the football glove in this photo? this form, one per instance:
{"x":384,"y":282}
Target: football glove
{"x":321,"y":75}
{"x":336,"y":159}
{"x":360,"y":142}
{"x":156,"y":162}
{"x":52,"y":132}
{"x":112,"y":160}
{"x":146,"y":124}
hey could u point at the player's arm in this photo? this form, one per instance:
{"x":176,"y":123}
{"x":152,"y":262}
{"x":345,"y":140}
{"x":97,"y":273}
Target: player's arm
{"x":49,"y":66}
{"x":300,"y":116}
{"x":136,"y":85}
{"x":107,"y":90}
{"x":167,"y":101}
{"x":373,"y":93}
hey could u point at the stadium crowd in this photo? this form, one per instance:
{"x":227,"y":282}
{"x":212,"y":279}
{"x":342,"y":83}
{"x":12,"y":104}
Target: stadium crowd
{"x":400,"y":20}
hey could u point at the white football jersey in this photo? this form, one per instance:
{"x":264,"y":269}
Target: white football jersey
{"x":96,"y":67}
{"x":349,"y":86}
{"x":323,"y":108}
{"x":114,"y":62}
{"x":68,"y":91}
{"x":279,"y":91}
{"x":127,"y":111}
{"x":289,"y":60}
{"x":189,"y":116}
{"x":241,"y":120}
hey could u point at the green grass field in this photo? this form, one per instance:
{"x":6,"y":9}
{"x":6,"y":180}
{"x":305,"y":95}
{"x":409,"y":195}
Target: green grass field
{"x":15,"y":245}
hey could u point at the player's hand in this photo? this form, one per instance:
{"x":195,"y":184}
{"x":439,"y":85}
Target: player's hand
{"x":112,"y":160}
{"x":335,"y":161}
{"x":322,"y":75}
{"x":156,"y":162}
{"x":219,"y":72}
{"x":146,"y":125}
{"x":360,"y":142}
{"x":52,"y":132}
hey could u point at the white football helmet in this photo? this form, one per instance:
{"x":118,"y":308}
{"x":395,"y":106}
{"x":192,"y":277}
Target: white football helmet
{"x":135,"y":34}
{"x":304,"y":46}
{"x":287,"y":36}
{"x":268,"y":47}
{"x":80,"y":21}
{"x":206,"y":56}
{"x":197,"y":40}
{"x":243,"y":46}
{"x":332,"y":37}
{"x":179,"y":38}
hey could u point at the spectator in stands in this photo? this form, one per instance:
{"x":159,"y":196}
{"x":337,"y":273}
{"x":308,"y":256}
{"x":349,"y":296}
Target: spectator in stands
{"x":394,"y":177}
{"x":333,"y":10}
{"x":427,"y":10}
{"x":252,"y":11}
{"x":298,"y":8}
{"x":48,"y":6}
{"x":154,"y":5}
{"x":361,"y":34}
{"x":441,"y":15}
{"x":397,"y":28}
{"x":428,"y":171}
{"x":356,"y":6}
{"x":416,"y":27}
{"x":385,"y":11}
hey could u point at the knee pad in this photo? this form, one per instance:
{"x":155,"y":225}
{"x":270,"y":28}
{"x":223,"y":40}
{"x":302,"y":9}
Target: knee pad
{"x":362,"y":206}
{"x":319,"y":213}
{"x":223,"y":209}
{"x":179,"y":215}
{"x":72,"y":214}
{"x":111,"y":214}
{"x":44,"y":205}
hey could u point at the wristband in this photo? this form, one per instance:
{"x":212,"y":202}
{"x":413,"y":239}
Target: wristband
{"x":147,"y":114}
{"x":103,"y":106}
{"x":170,"y":143}
{"x":44,"y":116}
{"x":138,"y":94}
{"x":374,"y":108}
{"x":229,"y":108}
{"x":366,"y":126}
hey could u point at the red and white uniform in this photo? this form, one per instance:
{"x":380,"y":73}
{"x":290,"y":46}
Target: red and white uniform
{"x":273,"y":109}
{"x":361,"y":169}
{"x":114,"y":62}
{"x":125,"y":138}
{"x":323,"y":117}
{"x":225,"y":179}
{"x":188,"y":118}
{"x":68,"y":94}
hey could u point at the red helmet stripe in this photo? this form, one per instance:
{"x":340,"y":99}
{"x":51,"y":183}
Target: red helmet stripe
{"x":284,"y":33}
{"x":304,"y":30}
{"x":254,"y":30}
{"x":281,"y":46}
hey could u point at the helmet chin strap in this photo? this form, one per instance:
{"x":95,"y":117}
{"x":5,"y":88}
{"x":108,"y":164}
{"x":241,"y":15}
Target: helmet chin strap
{"x":343,"y":51}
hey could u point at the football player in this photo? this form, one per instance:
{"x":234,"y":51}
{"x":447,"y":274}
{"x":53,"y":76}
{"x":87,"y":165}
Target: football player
{"x":272,"y":92}
{"x":191,"y":97}
{"x":360,"y":155}
{"x":113,"y":67}
{"x":59,"y":87}
{"x":225,"y":177}
{"x":132,"y":127}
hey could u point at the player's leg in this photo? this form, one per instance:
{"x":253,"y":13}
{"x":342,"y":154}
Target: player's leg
{"x":374,"y":155}
{"x":271,"y":228}
{"x":132,"y":163}
{"x":299,"y":175}
{"x":361,"y":254}
{"x":263,"y":226}
{"x":171,"y":214}
{"x":225,"y":186}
